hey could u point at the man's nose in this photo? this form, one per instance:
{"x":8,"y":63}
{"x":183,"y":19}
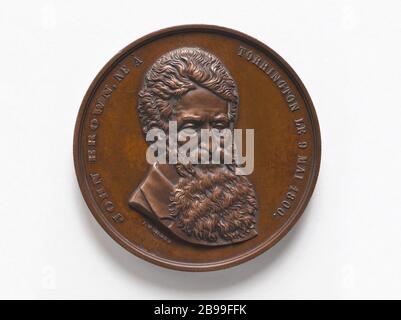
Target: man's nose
{"x":208,"y":143}
{"x":207,"y":125}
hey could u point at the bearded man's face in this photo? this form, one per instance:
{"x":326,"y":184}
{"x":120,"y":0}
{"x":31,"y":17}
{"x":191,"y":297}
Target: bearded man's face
{"x":210,"y":202}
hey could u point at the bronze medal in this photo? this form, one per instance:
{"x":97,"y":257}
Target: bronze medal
{"x":197,"y":148}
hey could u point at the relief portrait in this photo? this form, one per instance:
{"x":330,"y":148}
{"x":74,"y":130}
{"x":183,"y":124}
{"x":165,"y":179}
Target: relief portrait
{"x":202,"y":204}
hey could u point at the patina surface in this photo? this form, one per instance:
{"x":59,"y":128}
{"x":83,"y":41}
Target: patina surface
{"x":140,"y":205}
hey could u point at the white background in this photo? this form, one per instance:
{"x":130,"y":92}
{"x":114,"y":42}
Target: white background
{"x":346,"y":245}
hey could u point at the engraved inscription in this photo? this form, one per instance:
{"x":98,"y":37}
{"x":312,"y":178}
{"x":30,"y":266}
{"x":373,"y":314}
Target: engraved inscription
{"x":299,"y":123}
{"x":156,"y":231}
{"x":300,"y":126}
{"x":104,"y":96}
{"x":273,"y":74}
{"x":91,"y":140}
{"x":288,"y":201}
{"x":290,"y":196}
{"x":121,"y":73}
{"x":106,"y":204}
{"x":300,"y":167}
{"x":137,"y":61}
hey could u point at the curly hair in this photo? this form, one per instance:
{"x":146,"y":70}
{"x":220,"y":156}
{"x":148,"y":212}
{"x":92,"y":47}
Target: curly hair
{"x":174,"y":74}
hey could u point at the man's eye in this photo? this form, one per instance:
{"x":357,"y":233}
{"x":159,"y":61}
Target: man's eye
{"x":219,"y":125}
{"x":189,"y":125}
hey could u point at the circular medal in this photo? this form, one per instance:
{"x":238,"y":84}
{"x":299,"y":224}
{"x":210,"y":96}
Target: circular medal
{"x":197,"y":148}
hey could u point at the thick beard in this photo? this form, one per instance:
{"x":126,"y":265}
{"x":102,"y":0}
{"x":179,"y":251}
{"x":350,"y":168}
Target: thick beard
{"x":211,"y":202}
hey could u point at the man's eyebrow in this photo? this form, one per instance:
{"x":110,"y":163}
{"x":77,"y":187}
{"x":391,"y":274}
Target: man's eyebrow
{"x":192,"y":117}
{"x":220,"y":116}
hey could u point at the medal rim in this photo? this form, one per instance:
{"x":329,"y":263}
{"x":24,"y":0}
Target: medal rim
{"x":79,"y":159}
